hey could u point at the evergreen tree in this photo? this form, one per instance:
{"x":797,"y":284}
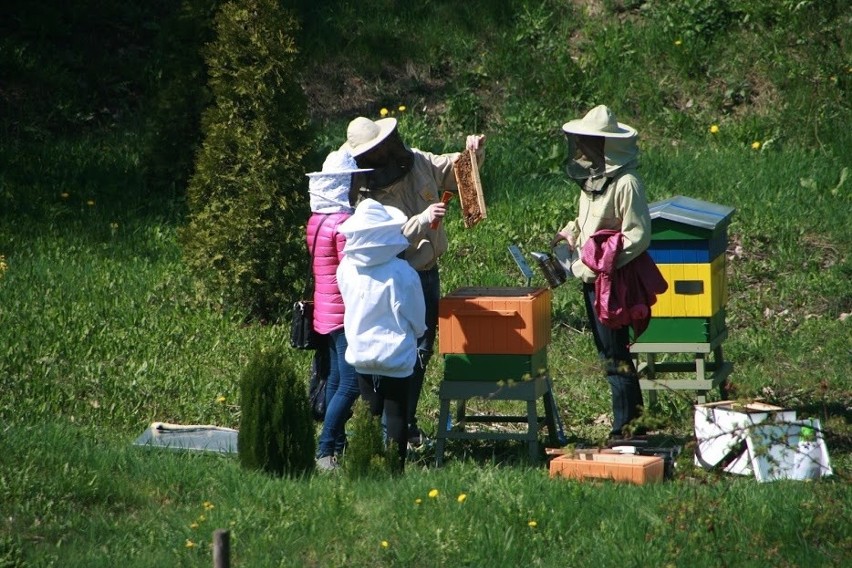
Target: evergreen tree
{"x":245,"y":240}
{"x":276,"y":432}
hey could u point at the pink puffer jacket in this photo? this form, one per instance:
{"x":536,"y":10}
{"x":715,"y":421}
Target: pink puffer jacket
{"x":328,"y":304}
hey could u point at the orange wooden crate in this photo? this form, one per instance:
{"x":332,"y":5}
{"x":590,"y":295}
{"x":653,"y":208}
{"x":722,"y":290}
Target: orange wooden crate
{"x":494,"y":320}
{"x":617,"y":467}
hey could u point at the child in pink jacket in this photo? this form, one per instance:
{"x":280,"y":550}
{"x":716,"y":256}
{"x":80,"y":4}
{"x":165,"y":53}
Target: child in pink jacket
{"x":329,"y":194}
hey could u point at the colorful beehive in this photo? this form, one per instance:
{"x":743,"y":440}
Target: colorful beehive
{"x":492,"y":334}
{"x":688,"y":243}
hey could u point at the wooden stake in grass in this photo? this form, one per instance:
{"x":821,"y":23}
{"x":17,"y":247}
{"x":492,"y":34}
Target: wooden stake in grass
{"x":221,"y":548}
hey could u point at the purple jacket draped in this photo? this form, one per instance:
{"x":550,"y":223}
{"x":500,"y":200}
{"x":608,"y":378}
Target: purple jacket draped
{"x":623,"y":296}
{"x":328,"y":304}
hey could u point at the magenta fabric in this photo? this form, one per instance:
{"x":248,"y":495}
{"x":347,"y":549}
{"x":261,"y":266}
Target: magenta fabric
{"x":328,"y":303}
{"x":623,"y":296}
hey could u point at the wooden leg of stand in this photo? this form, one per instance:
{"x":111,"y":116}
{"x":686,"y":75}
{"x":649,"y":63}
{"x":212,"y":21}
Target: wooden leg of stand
{"x":443,"y":415}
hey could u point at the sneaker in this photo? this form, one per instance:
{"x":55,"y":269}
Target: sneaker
{"x":327,"y":463}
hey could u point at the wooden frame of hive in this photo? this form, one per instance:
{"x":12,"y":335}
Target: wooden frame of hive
{"x":472,"y":199}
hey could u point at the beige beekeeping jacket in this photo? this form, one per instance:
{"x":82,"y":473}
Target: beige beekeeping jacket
{"x":621,"y":207}
{"x":430,"y":176}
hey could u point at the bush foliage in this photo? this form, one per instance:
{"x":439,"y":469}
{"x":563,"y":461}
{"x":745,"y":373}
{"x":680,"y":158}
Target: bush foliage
{"x":276,"y":431}
{"x":244,"y":237}
{"x":367,"y":456}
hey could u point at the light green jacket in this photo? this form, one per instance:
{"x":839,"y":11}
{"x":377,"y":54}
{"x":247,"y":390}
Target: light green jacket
{"x":621,"y":207}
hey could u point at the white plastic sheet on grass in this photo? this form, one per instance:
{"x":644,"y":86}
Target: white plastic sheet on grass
{"x":193,"y":437}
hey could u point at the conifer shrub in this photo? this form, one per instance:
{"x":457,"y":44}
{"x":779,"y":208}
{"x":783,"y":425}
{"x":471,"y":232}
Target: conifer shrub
{"x":276,"y":432}
{"x":247,"y":206}
{"x":366,"y":453}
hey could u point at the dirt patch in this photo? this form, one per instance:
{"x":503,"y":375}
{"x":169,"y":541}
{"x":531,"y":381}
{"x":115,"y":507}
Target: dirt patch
{"x":335,"y":89}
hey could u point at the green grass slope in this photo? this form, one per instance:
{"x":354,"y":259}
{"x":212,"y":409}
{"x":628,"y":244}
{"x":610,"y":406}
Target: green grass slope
{"x":102,"y":330}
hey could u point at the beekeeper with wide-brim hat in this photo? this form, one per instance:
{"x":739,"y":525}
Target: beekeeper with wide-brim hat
{"x":612,"y":228}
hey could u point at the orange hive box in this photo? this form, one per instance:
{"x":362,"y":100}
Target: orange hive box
{"x":494,"y":320}
{"x":617,"y":467}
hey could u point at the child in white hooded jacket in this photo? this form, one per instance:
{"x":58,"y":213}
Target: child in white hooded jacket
{"x":385,"y":312}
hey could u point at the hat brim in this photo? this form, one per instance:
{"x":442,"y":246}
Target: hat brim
{"x":339,"y":172}
{"x":386,"y":126}
{"x":579,"y":127}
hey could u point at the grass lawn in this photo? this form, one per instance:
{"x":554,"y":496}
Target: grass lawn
{"x":103,"y":330}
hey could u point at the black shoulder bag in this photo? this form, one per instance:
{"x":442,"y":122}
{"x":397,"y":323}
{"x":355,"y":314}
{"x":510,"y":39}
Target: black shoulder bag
{"x":302,"y":334}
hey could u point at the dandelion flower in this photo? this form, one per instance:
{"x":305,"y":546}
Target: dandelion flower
{"x":461,"y":498}
{"x":714,"y":129}
{"x":755,"y":145}
{"x":201,"y":518}
{"x":207,"y":504}
{"x":193,"y":525}
{"x":3,"y":266}
{"x":220,"y":399}
{"x":678,"y":42}
{"x":90,"y":202}
{"x":385,"y":544}
{"x":189,"y":544}
{"x":383,"y":113}
{"x":418,"y":501}
{"x":402,"y":108}
{"x":433,"y":494}
{"x":532,"y":524}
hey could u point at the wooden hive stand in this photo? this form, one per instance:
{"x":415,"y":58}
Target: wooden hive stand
{"x":530,"y":391}
{"x":708,"y":374}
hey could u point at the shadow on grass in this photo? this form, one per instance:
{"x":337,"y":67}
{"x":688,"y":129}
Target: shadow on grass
{"x":514,"y":454}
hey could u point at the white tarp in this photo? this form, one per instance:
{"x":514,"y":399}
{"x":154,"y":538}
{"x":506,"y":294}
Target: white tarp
{"x":199,"y":437}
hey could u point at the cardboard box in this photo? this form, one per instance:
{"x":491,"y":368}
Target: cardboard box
{"x":779,"y":451}
{"x":617,"y":467}
{"x":721,"y":429}
{"x":499,"y":320}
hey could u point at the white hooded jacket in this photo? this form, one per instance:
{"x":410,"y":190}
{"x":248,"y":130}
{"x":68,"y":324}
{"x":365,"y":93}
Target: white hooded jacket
{"x":385,"y":312}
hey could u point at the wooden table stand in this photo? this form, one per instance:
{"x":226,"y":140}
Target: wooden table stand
{"x":708,"y":374}
{"x":530,"y":391}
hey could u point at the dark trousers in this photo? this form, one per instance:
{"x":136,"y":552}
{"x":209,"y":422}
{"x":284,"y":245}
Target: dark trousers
{"x":431,"y":284}
{"x":389,"y":396}
{"x":614,"y":351}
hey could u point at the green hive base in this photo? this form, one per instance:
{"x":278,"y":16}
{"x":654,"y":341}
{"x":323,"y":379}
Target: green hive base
{"x":494,"y":367}
{"x":683,"y":330}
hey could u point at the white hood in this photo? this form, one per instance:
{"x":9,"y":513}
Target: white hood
{"x":373,"y":233}
{"x":329,"y":188}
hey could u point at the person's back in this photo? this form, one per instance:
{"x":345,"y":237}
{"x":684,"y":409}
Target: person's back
{"x":385,"y":313}
{"x":329,"y":195}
